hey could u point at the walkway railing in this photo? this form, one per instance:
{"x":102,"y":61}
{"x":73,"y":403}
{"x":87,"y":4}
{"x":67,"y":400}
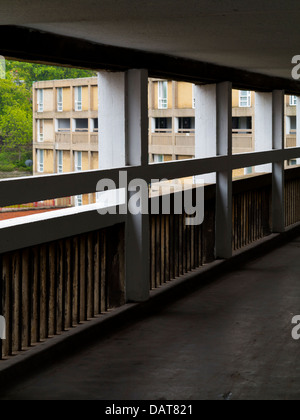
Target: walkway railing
{"x":50,"y":288}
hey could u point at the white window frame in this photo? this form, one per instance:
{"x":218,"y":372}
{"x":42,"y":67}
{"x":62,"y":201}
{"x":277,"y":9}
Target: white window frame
{"x":162,"y":99}
{"x":40,"y":131}
{"x":60,"y":161}
{"x":158,"y":158}
{"x":245,"y":99}
{"x":293,"y":100}
{"x":78,"y":98}
{"x":78,"y":161}
{"x":78,"y":200}
{"x":60,"y":99}
{"x":40,"y":160}
{"x":40,"y":100}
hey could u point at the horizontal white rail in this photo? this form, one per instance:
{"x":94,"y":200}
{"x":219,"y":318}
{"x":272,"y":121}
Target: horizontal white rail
{"x":51,"y":226}
{"x":38,"y":188}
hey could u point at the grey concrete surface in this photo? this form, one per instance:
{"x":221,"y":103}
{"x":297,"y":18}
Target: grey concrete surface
{"x":231,"y":339}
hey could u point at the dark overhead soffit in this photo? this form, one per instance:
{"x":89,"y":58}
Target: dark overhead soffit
{"x":32,"y":45}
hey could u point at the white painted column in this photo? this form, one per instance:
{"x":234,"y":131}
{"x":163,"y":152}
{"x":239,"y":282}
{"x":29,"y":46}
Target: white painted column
{"x":206,"y":125}
{"x":224,"y":179}
{"x":263,"y":126}
{"x":112,"y":131}
{"x":123,"y":140}
{"x":278,"y":202}
{"x":298,"y":126}
{"x":137,"y":226}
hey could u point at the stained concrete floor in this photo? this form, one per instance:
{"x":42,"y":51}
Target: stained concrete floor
{"x":231,"y":338}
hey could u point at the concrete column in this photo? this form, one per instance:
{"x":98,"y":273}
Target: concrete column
{"x":224,"y":179}
{"x":123,"y":140}
{"x":111,"y":120}
{"x":137,"y":226}
{"x":263,"y":126}
{"x":206,"y":125}
{"x":278,"y":202}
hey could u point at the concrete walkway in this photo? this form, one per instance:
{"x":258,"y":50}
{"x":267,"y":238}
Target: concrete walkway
{"x":229,"y":340}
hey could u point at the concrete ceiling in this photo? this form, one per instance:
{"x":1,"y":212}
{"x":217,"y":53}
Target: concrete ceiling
{"x":258,"y":35}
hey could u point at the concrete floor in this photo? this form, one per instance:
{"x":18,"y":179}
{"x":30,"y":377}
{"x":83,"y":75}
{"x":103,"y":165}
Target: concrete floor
{"x":230,"y":339}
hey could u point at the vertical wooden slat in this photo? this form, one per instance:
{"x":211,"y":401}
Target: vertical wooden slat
{"x":90,"y":276}
{"x":60,"y":287}
{"x":43,"y":293}
{"x":1,"y":299}
{"x":68,"y":284}
{"x":162,"y":249}
{"x":17,"y":303}
{"x":7,"y":305}
{"x":83,"y":304}
{"x":176,"y":246}
{"x":192,"y":244}
{"x":97,"y":274}
{"x":184,"y":244}
{"x":35,"y":296}
{"x":76,"y":280}
{"x":167,"y":245}
{"x":52,"y":289}
{"x":171,"y":249}
{"x":103,"y":236}
{"x":158,"y":251}
{"x":153,"y":251}
{"x":180,"y":245}
{"x":26,"y":300}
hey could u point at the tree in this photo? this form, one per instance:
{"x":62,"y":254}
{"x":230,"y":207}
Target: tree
{"x":15,"y":125}
{"x":16,"y":108}
{"x":28,"y":73}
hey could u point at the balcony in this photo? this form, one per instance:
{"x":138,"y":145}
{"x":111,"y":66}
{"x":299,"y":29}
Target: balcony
{"x":66,"y":274}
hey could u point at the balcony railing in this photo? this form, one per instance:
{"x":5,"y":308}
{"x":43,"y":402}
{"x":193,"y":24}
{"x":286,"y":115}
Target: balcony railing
{"x":50,"y":288}
{"x":50,"y":263}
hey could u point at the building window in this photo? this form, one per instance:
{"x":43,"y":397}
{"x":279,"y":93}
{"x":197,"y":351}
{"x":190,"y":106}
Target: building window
{"x":40,"y":100}
{"x":95,"y":125}
{"x":40,"y":161}
{"x":163,"y":125}
{"x":60,"y":100}
{"x":78,"y":98}
{"x":60,"y":161}
{"x":40,"y":131}
{"x":291,"y":125}
{"x":81,"y":125}
{"x":245,"y":99}
{"x":293,"y":100}
{"x":158,"y":158}
{"x":293,"y":162}
{"x":78,"y":201}
{"x":186,"y":124}
{"x":78,"y":161}
{"x":242,"y":125}
{"x":63,"y":125}
{"x":162,"y":95}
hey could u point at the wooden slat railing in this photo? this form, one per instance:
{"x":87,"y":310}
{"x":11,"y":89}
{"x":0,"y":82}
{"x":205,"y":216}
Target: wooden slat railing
{"x":53,"y":287}
{"x":177,"y":249}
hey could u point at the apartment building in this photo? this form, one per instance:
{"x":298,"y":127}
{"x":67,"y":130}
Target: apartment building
{"x":172,"y":121}
{"x":66,"y":125}
{"x":65,"y":128}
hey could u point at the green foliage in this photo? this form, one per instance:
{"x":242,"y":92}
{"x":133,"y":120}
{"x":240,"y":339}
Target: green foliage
{"x":16,"y":108}
{"x":27,"y":73}
{"x":15,"y":125}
